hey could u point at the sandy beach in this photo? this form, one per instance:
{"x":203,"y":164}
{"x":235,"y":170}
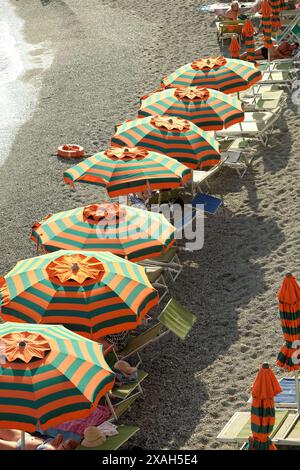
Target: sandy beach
{"x":105,"y":56}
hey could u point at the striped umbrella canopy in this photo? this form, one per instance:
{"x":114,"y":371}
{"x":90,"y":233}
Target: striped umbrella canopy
{"x":220,"y":73}
{"x":125,"y":231}
{"x":48,"y":375}
{"x":175,"y":137}
{"x":234,"y":47}
{"x":209,"y":109}
{"x":123,"y":171}
{"x":289,"y":308}
{"x":265,"y":387}
{"x":93,"y":294}
{"x":275,"y":19}
{"x":266,"y":12}
{"x":248,"y":31}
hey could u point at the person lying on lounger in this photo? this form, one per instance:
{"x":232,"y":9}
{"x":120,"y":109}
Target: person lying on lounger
{"x":281,"y":51}
{"x":10,"y":439}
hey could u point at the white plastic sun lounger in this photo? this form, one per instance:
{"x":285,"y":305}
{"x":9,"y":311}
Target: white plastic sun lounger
{"x":258,"y":125}
{"x":279,"y":77}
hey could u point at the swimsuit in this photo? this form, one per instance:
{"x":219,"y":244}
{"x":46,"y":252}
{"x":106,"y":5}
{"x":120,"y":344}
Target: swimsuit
{"x":42,"y":446}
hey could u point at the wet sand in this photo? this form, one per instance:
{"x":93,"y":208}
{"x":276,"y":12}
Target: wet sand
{"x":106,"y":55}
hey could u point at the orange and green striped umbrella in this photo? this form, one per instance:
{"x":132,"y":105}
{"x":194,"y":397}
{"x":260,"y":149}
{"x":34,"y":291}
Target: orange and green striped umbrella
{"x":178,"y":138}
{"x":123,"y":171}
{"x":248,"y":32}
{"x":209,"y":109}
{"x":289,"y":308}
{"x":220,"y":73}
{"x":282,"y":5}
{"x":275,"y":19}
{"x":265,"y":387}
{"x":93,"y":294}
{"x":125,"y":231}
{"x":266,"y":12}
{"x":234,"y":48}
{"x":48,"y":375}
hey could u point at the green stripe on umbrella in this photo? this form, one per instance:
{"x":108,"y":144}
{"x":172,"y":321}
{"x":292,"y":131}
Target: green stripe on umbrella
{"x":125,"y":231}
{"x":264,"y":388}
{"x":94,"y":293}
{"x":48,"y":375}
{"x":208,"y":109}
{"x":123,"y":171}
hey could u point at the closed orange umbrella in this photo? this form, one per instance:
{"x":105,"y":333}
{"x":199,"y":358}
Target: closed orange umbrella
{"x":275,"y":19}
{"x":234,"y":48}
{"x":248,"y":32}
{"x":289,"y":308}
{"x":265,"y":387}
{"x":266,"y":12}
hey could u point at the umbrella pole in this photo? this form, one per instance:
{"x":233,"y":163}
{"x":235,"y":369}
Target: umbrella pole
{"x":22,"y":440}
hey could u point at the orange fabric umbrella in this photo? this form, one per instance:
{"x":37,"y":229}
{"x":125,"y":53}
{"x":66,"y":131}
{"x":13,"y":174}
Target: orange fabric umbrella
{"x":234,"y":48}
{"x":248,"y":32}
{"x":266,"y":12}
{"x":265,"y":387}
{"x":289,"y":308}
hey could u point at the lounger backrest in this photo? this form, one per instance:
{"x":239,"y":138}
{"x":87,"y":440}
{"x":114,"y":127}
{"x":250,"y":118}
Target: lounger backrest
{"x":177,"y":318}
{"x":137,"y":343}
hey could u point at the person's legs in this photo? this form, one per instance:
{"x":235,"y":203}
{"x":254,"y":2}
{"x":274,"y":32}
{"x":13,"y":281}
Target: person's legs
{"x":7,"y":445}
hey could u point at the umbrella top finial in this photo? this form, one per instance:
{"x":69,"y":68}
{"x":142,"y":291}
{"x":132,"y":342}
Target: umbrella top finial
{"x":289,"y":275}
{"x":265,"y":365}
{"x":22,"y":344}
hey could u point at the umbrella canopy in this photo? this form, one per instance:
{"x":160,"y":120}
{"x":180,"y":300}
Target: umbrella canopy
{"x":123,"y":171}
{"x":220,"y":73}
{"x":248,"y":31}
{"x":234,"y":47}
{"x":289,"y":308}
{"x":209,"y":109}
{"x":125,"y":231}
{"x":175,"y":137}
{"x":93,"y":294}
{"x":265,"y":387}
{"x":266,"y":12}
{"x":48,"y":375}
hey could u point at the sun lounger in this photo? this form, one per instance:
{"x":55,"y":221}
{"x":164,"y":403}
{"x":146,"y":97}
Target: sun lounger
{"x":257,"y":125}
{"x":227,"y":29}
{"x":125,"y":432}
{"x":202,"y":177}
{"x":210,"y":203}
{"x":168,"y":260}
{"x":266,"y":101}
{"x":287,"y":398}
{"x":279,"y":77}
{"x":157,"y":279}
{"x":122,"y":395}
{"x":238,"y":428}
{"x":174,"y":318}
